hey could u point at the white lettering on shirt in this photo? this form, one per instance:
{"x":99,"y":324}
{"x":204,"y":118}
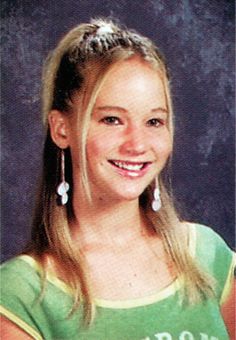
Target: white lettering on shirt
{"x":184,"y":335}
{"x":163,"y":336}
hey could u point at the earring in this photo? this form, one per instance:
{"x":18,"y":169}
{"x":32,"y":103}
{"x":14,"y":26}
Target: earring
{"x":156,"y":203}
{"x":63,"y":187}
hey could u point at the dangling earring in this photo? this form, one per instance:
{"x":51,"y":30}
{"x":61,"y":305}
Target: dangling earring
{"x":63,"y":187}
{"x":156,"y":203}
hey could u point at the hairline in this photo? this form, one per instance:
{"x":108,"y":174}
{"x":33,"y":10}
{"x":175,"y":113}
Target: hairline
{"x":91,"y":100}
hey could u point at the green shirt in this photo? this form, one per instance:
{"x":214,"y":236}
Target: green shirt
{"x":160,"y":316}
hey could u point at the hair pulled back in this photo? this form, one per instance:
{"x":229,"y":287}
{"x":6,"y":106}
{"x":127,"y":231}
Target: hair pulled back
{"x":78,"y":66}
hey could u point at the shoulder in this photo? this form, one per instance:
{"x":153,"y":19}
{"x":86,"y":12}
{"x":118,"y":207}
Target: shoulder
{"x":208,"y":240}
{"x":20,"y":288}
{"x":38,"y":307}
{"x":21,"y":283}
{"x":214,"y":256}
{"x":20,"y":270}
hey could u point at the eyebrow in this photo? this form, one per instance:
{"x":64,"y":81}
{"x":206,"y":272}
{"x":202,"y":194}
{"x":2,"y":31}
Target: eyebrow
{"x":121,"y":109}
{"x":110,"y":108}
{"x":160,"y":109}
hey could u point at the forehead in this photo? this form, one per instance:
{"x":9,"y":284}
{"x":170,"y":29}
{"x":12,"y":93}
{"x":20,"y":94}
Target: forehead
{"x":132,"y":81}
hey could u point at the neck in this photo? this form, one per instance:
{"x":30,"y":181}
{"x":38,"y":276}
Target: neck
{"x":106,"y":222}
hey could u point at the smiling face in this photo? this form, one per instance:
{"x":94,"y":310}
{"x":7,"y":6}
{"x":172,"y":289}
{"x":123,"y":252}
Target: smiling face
{"x":128,"y":139}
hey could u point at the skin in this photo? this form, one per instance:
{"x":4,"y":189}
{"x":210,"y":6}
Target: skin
{"x":9,"y":331}
{"x":133,"y":93}
{"x":130,"y":139}
{"x":129,"y":123}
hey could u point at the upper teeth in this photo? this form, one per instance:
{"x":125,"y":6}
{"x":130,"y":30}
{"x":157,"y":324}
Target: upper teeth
{"x":132,"y":167}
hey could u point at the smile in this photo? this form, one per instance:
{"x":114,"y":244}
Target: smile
{"x":133,"y":169}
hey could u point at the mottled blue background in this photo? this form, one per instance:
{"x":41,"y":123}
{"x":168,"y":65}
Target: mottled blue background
{"x":197,"y":38}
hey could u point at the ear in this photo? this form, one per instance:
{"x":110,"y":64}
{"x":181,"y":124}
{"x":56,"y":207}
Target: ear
{"x":59,"y":128}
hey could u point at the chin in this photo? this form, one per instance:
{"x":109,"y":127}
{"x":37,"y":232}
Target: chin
{"x":130,"y":195}
{"x":119,"y":190}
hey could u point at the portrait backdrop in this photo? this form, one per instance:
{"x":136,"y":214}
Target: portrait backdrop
{"x":197,"y":38}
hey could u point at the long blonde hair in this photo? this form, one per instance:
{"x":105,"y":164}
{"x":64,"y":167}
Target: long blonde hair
{"x":79,"y":64}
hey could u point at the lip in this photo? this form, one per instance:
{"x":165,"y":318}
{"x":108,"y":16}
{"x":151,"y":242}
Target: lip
{"x":131,"y":173}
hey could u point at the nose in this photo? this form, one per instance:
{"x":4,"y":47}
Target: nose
{"x":134,"y":143}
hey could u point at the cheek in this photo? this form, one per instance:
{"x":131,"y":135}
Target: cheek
{"x":163,"y":147}
{"x":92,"y":149}
{"x":101,"y":144}
{"x":99,"y":147}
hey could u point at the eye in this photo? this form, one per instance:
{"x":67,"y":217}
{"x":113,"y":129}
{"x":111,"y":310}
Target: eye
{"x":155,"y":122}
{"x":111,"y":120}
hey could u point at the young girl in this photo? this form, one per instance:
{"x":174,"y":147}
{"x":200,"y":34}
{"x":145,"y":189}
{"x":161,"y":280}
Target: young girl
{"x":109,"y":257}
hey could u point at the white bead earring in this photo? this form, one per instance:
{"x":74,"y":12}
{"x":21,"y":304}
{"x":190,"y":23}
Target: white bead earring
{"x":156,"y":203}
{"x":63,"y":187}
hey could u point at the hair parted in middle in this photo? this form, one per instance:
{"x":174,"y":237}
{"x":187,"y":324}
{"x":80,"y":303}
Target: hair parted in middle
{"x":78,"y":67}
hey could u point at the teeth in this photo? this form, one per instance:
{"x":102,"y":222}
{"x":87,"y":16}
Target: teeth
{"x":131,"y":167}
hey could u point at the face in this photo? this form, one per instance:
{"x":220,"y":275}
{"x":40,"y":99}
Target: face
{"x":128,"y":139}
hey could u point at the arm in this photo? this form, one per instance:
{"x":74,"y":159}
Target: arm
{"x":9,"y":331}
{"x":228,"y":312}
